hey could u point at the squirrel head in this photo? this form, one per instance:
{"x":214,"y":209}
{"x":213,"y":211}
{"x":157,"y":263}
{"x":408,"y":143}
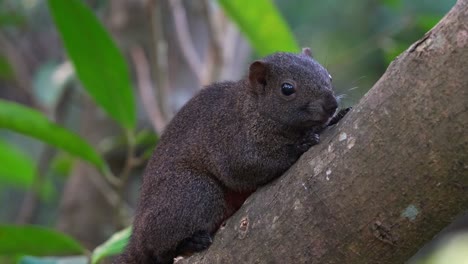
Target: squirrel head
{"x":293,"y":89}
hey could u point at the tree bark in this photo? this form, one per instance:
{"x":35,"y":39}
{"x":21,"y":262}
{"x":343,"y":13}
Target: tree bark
{"x":383,"y":182}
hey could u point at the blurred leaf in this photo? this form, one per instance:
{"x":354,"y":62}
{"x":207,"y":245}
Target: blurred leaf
{"x":98,"y":62}
{"x":113,"y":246}
{"x":6,"y":72}
{"x":37,"y":241}
{"x":49,"y":82}
{"x":11,"y":19}
{"x":30,"y":122}
{"x":17,"y":169}
{"x":427,"y":22}
{"x":47,"y":191}
{"x":393,"y":50}
{"x":453,"y":248}
{"x":146,"y":137}
{"x":54,"y":260}
{"x":5,"y":259}
{"x":394,"y":4}
{"x":62,"y":164}
{"x":262,"y":24}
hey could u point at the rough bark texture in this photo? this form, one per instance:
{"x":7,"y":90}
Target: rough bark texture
{"x":383,"y":182}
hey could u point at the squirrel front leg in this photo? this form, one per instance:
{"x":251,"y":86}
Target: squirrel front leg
{"x":311,"y":139}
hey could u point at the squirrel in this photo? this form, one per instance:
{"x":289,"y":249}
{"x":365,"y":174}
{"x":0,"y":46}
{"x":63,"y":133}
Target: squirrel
{"x":227,"y":141}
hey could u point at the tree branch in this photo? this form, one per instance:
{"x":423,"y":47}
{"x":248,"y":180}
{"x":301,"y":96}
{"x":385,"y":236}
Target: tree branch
{"x":381,"y":183}
{"x":145,"y":89}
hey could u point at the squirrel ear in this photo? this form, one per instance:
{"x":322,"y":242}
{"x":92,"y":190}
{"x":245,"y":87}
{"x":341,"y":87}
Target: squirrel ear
{"x":257,"y":73}
{"x":306,"y":51}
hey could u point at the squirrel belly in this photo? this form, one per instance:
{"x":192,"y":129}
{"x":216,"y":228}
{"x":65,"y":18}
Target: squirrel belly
{"x":234,"y":201}
{"x":227,"y":141}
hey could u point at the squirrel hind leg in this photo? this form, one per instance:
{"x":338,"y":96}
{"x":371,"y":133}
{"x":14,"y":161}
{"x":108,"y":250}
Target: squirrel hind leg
{"x":167,"y":258}
{"x":200,"y":241}
{"x":143,"y":258}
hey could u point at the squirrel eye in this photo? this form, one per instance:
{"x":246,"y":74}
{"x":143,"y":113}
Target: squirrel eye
{"x":287,"y":89}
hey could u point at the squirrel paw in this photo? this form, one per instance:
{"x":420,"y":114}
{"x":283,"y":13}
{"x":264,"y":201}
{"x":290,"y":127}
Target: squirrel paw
{"x":311,"y":140}
{"x":201,"y":240}
{"x":336,"y":118}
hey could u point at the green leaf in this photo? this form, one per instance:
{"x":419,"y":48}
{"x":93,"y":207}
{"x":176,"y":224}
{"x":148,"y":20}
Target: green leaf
{"x":146,"y":138}
{"x":7,"y":260}
{"x":451,"y":249}
{"x":30,"y":122}
{"x":98,"y":62}
{"x":113,"y":246}
{"x":394,"y":4}
{"x":37,"y":241}
{"x":262,"y":24}
{"x":6,"y":72}
{"x":17,"y":169}
{"x":62,"y":164}
{"x":11,"y":19}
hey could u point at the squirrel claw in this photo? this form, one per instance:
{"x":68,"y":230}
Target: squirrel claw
{"x":336,"y":118}
{"x":311,"y":140}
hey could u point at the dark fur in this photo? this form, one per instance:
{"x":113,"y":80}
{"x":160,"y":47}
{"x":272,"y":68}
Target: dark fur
{"x":224,"y":143}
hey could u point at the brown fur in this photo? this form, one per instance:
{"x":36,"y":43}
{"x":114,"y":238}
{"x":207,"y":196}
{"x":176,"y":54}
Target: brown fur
{"x":227,"y":141}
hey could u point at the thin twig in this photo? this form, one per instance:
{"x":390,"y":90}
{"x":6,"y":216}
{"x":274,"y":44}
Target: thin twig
{"x":125,"y":175}
{"x":110,"y":177}
{"x":30,"y":201}
{"x":160,"y":60}
{"x":185,"y":40}
{"x":145,"y":89}
{"x":230,"y":41}
{"x":214,"y":59}
{"x":129,"y":164}
{"x":17,"y":62}
{"x":111,"y":197}
{"x":235,"y":50}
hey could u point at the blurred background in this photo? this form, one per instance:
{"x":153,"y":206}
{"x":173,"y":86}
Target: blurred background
{"x":171,"y":49}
